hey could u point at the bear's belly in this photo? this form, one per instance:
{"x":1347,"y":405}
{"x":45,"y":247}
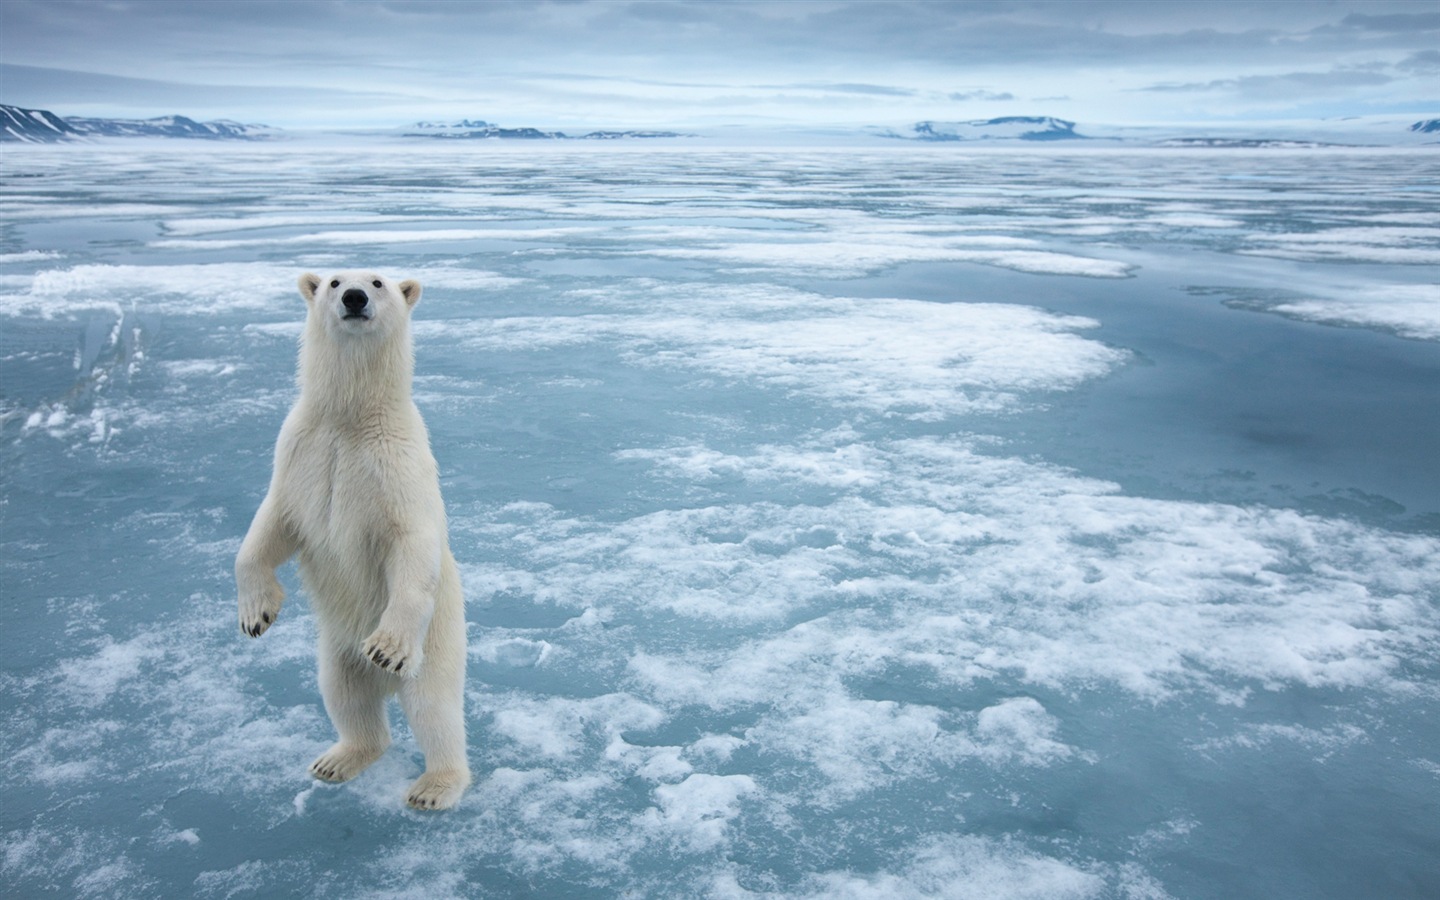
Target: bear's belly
{"x":347,"y":595}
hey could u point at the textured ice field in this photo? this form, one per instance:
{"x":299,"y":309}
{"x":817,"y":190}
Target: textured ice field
{"x":902,"y":522}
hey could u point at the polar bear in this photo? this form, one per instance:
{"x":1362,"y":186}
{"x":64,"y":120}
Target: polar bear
{"x":355,"y":494}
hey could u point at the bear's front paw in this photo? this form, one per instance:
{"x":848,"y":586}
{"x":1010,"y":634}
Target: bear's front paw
{"x":259,"y":606}
{"x":392,"y":653}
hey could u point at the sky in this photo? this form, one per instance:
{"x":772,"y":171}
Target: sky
{"x":700,"y":64}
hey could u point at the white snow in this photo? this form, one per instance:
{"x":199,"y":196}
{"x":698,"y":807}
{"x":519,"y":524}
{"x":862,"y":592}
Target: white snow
{"x":1409,"y":310}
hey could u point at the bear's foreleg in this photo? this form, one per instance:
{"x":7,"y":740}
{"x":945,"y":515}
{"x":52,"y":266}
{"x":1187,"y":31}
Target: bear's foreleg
{"x":267,"y":545}
{"x":412,"y":575}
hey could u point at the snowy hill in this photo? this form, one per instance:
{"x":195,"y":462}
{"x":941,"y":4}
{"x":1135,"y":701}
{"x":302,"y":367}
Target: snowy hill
{"x":37,"y":126}
{"x":33,"y":126}
{"x":1022,"y":128}
{"x":1426,"y":126}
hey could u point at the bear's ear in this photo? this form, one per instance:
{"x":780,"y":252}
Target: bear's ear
{"x":309,"y":284}
{"x":410,"y":290}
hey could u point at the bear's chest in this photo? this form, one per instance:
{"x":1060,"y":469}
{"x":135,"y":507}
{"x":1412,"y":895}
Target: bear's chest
{"x":344,"y":490}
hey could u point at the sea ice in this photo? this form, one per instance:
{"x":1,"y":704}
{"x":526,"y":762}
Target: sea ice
{"x":775,"y":585}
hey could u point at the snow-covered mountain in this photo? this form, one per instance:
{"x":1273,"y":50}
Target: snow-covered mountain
{"x":33,"y":126}
{"x":40,"y":126}
{"x":462,"y":125}
{"x":467,"y":129}
{"x":1426,"y":126}
{"x":171,"y":126}
{"x":1021,"y":128}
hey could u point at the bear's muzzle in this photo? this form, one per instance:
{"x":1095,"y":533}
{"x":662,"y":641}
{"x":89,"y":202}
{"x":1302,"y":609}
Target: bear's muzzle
{"x":355,"y":301}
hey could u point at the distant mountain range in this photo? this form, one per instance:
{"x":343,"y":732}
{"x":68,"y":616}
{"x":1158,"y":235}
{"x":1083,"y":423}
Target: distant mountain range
{"x":1022,"y":128}
{"x":18,"y":124}
{"x":1245,"y":143}
{"x":1289,"y":135}
{"x":171,"y":126}
{"x":467,"y":129}
{"x":40,"y":126}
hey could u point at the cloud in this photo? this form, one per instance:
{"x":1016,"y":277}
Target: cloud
{"x":665,"y":36}
{"x":1288,"y":86}
{"x":980,"y":95}
{"x":1426,"y":62}
{"x":73,"y":92}
{"x":1394,"y":23}
{"x":875,"y":90}
{"x":661,"y":61}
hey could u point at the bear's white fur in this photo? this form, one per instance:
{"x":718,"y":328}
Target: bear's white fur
{"x":356,"y":495}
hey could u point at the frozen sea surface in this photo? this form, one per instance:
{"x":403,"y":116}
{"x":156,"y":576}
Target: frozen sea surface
{"x":891,"y":523}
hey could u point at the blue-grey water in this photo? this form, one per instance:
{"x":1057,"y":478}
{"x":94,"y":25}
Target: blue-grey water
{"x":889,"y":522}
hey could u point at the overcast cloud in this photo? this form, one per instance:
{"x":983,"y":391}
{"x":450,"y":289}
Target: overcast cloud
{"x":686,"y":64}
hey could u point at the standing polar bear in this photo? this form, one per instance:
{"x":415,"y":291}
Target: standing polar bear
{"x":356,"y":495}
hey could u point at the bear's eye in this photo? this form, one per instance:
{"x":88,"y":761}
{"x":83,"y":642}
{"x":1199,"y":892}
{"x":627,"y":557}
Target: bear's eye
{"x":376,"y":283}
{"x":335,"y":283}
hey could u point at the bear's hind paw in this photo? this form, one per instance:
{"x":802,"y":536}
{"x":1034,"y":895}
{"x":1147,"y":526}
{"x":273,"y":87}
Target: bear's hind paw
{"x":438,"y":790}
{"x":343,"y":762}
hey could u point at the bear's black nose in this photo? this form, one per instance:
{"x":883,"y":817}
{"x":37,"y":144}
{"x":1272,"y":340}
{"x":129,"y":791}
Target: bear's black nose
{"x":354,"y":300}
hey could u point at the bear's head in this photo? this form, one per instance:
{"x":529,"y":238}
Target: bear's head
{"x":359,"y":302}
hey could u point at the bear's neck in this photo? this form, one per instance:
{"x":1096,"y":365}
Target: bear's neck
{"x":355,"y":381}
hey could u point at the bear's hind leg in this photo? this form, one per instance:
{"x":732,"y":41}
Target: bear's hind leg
{"x":354,"y":692}
{"x":434,"y":704}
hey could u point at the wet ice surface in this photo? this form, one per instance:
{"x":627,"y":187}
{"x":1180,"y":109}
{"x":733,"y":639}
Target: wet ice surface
{"x":844,"y":524}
